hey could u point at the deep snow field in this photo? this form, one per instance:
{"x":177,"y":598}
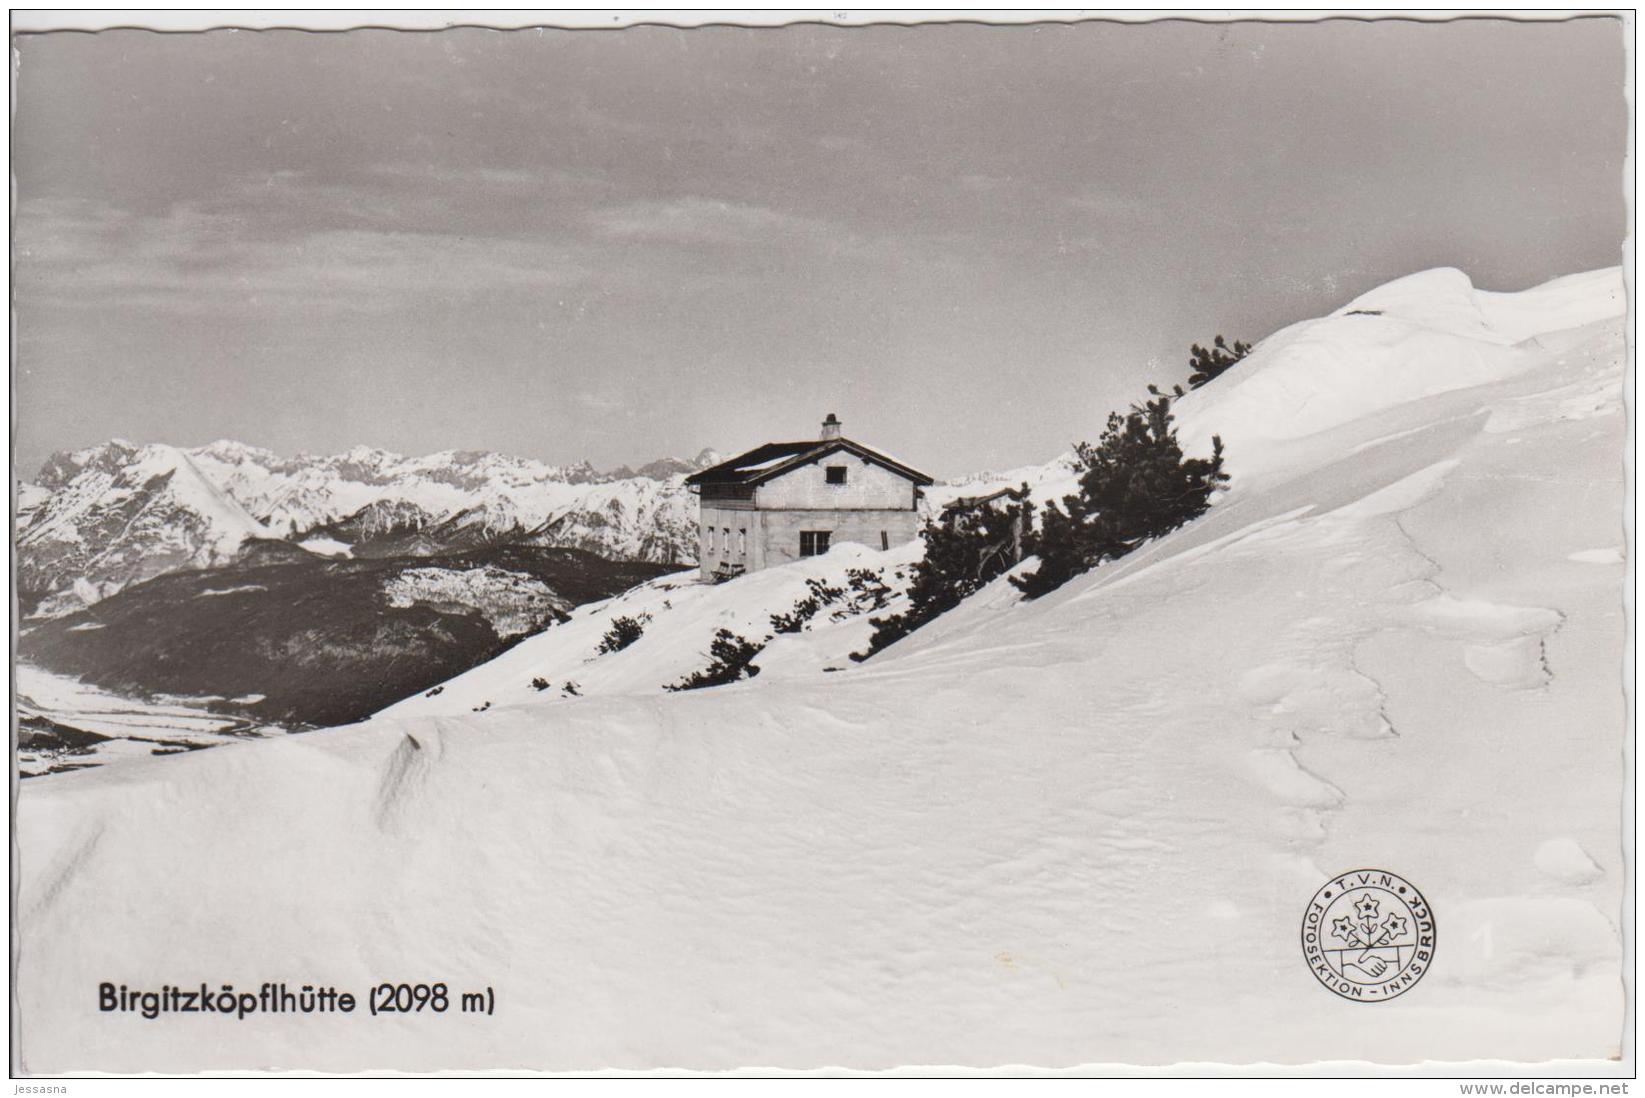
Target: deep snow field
{"x":1077,"y":831}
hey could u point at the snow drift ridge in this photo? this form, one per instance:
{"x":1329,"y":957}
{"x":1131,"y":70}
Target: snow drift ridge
{"x":1416,"y":337}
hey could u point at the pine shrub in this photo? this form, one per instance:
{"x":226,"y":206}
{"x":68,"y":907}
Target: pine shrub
{"x":731,"y":658}
{"x":968,"y":546}
{"x":869,"y":592}
{"x":1136,"y":485}
{"x":1209,"y":363}
{"x":804,"y":610}
{"x":624,"y":631}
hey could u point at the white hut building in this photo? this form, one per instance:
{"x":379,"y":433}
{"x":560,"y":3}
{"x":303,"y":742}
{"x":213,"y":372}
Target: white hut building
{"x":786,"y":500}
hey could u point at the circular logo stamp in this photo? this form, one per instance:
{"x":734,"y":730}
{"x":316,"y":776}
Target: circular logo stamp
{"x":1368,"y":935}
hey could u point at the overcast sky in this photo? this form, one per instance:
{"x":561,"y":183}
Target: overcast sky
{"x":970,"y":242}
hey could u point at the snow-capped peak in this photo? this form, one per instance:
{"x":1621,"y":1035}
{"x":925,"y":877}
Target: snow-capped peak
{"x":121,"y":521}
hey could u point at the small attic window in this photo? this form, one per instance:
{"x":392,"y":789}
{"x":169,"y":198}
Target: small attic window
{"x":836,"y":474}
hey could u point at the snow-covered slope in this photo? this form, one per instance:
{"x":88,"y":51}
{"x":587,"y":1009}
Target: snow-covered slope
{"x":1418,"y":337}
{"x":680,"y":617}
{"x":1082,"y":830}
{"x":99,"y":518}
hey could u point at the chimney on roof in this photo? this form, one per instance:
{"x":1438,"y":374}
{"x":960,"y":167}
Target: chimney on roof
{"x":831,"y":426}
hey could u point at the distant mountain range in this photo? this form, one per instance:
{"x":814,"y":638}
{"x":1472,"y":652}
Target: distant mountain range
{"x":98,"y":520}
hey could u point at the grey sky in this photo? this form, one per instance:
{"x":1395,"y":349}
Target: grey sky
{"x":970,"y":242}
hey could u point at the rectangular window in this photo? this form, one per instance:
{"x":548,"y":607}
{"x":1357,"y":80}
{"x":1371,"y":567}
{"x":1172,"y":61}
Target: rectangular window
{"x":885,"y":540}
{"x":742,"y":543}
{"x":836,"y":474}
{"x":813,"y":542}
{"x":708,"y":539}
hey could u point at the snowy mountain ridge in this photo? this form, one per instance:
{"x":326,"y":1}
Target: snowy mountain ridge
{"x":103,"y":517}
{"x":291,"y":495}
{"x":125,"y":514}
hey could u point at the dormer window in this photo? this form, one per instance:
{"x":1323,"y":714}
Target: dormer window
{"x":836,"y":474}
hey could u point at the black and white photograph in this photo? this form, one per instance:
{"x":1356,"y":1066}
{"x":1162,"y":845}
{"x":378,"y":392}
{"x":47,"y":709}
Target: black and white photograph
{"x":834,"y":543}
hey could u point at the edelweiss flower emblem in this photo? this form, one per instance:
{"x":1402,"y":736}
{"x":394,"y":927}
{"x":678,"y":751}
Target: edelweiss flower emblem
{"x":1368,"y":935}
